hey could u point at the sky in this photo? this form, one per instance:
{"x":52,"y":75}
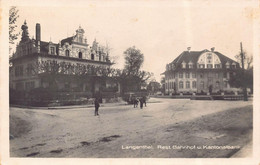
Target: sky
{"x":162,"y":31}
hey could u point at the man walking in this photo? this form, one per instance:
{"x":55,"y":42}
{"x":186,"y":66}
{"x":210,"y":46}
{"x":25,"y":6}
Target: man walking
{"x":96,"y":106}
{"x":144,"y":100}
{"x":135,"y":102}
{"x":141,"y":103}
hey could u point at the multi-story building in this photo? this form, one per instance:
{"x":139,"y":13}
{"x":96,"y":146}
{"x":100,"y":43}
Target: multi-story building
{"x":34,"y":58}
{"x":199,"y":72}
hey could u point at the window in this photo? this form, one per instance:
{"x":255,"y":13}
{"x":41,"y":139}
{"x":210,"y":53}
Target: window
{"x":193,"y":75}
{"x":19,"y":86}
{"x":180,"y":75}
{"x":227,"y":65}
{"x":167,"y":67}
{"x":225,"y":75}
{"x":233,"y":66}
{"x":194,"y":85}
{"x":80,"y":55}
{"x":201,"y":65}
{"x":29,"y":69}
{"x":201,"y":75}
{"x":67,"y":85}
{"x":225,"y":84}
{"x":187,"y":84}
{"x":67,"y":53}
{"x":202,"y":84}
{"x":209,"y":66}
{"x":217,"y":65}
{"x":172,"y":66}
{"x":183,"y":65}
{"x":231,"y":74}
{"x":217,"y":75}
{"x":181,"y":85}
{"x":52,"y":50}
{"x":190,"y":65}
{"x":18,"y":71}
{"x":80,"y":39}
{"x":29,"y":85}
{"x":92,"y":57}
{"x":187,"y":75}
{"x":217,"y":84}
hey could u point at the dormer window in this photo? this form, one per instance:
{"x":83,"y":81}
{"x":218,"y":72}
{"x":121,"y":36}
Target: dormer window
{"x":233,"y":65}
{"x":227,"y":65}
{"x":183,"y":65}
{"x":209,"y":66}
{"x":52,"y":50}
{"x":190,"y":65}
{"x":172,"y":66}
{"x":217,"y":65}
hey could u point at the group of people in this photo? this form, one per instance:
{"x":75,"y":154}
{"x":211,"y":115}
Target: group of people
{"x":136,"y":101}
{"x":141,"y":100}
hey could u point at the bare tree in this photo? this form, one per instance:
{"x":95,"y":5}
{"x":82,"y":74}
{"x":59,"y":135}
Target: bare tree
{"x":248,"y":59}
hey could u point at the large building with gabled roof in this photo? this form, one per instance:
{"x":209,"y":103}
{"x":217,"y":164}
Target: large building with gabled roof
{"x":199,"y":72}
{"x":68,"y":65}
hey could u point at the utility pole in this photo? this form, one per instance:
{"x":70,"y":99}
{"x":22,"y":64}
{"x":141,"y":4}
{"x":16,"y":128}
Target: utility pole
{"x":243,"y":72}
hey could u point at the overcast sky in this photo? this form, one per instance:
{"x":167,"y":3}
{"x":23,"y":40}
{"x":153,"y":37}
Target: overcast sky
{"x":160,"y":30}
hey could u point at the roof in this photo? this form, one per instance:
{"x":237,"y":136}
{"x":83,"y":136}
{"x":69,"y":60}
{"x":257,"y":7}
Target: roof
{"x":224,"y":58}
{"x":192,"y":56}
{"x":44,"y":46}
{"x":61,"y":57}
{"x":69,"y":40}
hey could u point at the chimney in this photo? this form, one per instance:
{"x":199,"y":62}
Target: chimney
{"x":188,"y":48}
{"x":212,"y":49}
{"x":38,"y":32}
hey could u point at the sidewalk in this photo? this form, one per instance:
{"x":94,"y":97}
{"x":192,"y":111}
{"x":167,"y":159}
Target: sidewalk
{"x":151,"y":100}
{"x":71,"y":106}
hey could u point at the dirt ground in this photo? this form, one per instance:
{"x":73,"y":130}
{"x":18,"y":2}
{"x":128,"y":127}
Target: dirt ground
{"x":170,"y":128}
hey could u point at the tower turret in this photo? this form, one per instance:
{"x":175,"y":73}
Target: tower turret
{"x":25,"y":34}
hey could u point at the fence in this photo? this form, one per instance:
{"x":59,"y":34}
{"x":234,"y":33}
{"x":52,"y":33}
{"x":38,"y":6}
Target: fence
{"x":43,"y":97}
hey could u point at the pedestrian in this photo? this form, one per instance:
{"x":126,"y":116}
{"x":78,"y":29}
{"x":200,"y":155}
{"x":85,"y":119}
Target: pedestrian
{"x":144,"y":100}
{"x":96,"y":106}
{"x":135,"y":102}
{"x":141,"y":103}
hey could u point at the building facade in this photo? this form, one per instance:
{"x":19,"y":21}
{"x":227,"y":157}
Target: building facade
{"x":35,"y":62}
{"x":199,"y":72}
